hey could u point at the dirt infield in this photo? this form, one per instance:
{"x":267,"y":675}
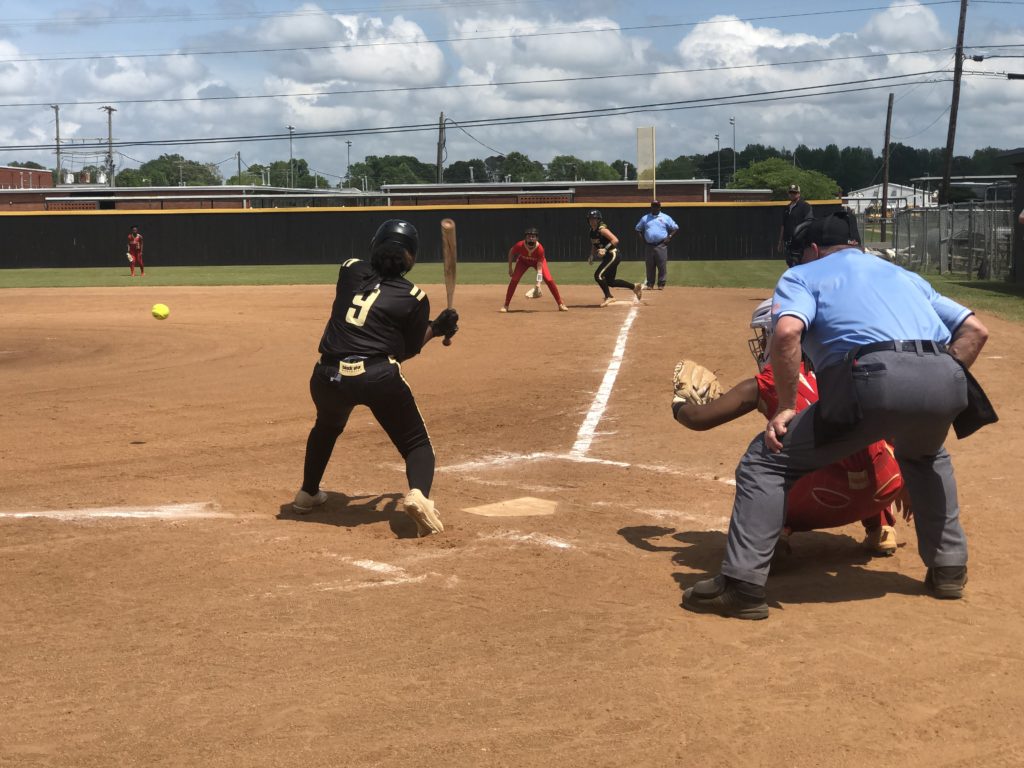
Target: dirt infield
{"x":163,"y":607}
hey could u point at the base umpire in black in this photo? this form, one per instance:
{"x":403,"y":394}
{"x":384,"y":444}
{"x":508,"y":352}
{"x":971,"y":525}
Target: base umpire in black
{"x":797,"y":212}
{"x":379,"y":319}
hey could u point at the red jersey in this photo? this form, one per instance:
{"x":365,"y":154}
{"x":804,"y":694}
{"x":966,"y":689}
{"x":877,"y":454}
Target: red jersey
{"x":841,"y":492}
{"x":134,"y":244}
{"x":534,"y":257}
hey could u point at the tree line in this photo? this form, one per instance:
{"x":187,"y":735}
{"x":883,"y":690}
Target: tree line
{"x":822,"y":172}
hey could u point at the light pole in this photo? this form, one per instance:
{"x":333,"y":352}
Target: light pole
{"x":625,"y":171}
{"x":348,"y":160}
{"x":291,"y":170}
{"x":732,"y":122}
{"x":718,"y":153}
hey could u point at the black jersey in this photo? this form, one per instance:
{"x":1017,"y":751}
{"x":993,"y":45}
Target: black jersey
{"x":372,"y":316}
{"x":599,"y":239}
{"x":794,"y":214}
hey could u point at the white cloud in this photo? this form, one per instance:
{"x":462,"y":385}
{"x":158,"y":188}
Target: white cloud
{"x":520,"y":48}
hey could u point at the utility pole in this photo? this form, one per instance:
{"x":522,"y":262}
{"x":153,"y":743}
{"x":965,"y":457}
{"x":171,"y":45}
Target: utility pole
{"x":440,"y":150}
{"x":348,"y":161}
{"x":958,"y":68}
{"x":56,"y":115}
{"x":291,"y":170}
{"x":110,"y":144}
{"x":885,"y":170}
{"x":238,"y":157}
{"x":732,"y":122}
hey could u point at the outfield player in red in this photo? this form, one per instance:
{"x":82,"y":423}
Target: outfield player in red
{"x":528,"y":253}
{"x":135,"y":252}
{"x":861,"y":487}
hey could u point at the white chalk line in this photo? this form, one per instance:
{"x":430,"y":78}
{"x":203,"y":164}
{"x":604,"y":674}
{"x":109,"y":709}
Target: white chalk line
{"x":195,"y":510}
{"x":713,"y":524}
{"x":396,"y":575}
{"x":529,"y":538}
{"x":588,"y":428}
{"x":503,"y":460}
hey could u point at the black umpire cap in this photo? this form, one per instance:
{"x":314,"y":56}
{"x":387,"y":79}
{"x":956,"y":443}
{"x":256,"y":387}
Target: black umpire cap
{"x":839,"y":228}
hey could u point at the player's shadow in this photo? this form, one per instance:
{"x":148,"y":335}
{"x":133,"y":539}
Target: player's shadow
{"x":350,"y":511}
{"x":822,"y":567}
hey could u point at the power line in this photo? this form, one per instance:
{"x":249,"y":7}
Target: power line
{"x":700,"y":103}
{"x":933,"y":122}
{"x":429,"y":41}
{"x":474,"y":138}
{"x":507,"y":83}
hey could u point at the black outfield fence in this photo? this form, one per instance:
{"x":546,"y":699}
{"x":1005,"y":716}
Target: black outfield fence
{"x":720,"y":231}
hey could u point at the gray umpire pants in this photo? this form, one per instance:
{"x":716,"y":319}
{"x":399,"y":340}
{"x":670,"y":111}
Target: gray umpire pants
{"x":908,"y":398}
{"x":656,"y":259}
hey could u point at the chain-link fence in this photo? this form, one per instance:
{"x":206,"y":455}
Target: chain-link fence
{"x":970,"y":239}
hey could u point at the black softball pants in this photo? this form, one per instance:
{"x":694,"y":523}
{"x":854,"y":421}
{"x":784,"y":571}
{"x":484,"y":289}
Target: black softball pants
{"x":604,"y":275}
{"x":383,"y":389}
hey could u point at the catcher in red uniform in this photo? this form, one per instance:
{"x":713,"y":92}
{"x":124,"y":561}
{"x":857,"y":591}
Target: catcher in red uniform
{"x":525,"y":254}
{"x":863,"y":487}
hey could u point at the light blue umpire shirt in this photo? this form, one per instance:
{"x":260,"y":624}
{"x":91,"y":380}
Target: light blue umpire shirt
{"x":655,"y":228}
{"x":850,"y":298}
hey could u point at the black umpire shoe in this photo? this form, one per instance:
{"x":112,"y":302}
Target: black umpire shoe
{"x":727,"y":597}
{"x":946,"y":582}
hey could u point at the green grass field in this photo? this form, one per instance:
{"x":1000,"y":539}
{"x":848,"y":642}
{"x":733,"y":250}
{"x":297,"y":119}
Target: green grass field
{"x":990,"y":297}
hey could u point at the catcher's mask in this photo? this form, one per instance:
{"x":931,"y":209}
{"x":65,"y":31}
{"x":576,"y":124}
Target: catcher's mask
{"x":761,"y":322}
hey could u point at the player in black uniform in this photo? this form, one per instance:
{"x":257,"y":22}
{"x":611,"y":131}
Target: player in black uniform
{"x":797,"y":212}
{"x":605,"y":245}
{"x":379,"y":319}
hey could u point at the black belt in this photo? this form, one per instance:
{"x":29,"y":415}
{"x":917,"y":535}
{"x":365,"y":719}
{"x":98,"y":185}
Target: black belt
{"x":917,"y":346}
{"x":365,"y":359}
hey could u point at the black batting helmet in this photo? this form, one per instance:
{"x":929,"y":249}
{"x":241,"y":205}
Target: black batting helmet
{"x":396,"y":231}
{"x":593,"y":213}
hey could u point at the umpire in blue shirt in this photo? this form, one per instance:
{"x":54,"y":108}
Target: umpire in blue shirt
{"x":656,"y":229}
{"x":890,"y":355}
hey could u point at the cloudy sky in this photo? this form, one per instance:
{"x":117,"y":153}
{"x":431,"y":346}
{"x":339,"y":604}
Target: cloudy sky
{"x":543,"y":77}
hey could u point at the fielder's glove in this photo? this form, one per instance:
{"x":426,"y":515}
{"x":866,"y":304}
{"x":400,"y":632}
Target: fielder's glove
{"x":445,"y":324}
{"x":693,"y":383}
{"x":130,"y":258}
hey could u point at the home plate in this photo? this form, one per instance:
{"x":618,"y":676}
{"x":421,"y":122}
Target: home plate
{"x":527,"y":506}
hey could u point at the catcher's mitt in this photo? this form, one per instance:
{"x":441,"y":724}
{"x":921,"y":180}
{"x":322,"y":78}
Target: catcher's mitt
{"x":693,"y":383}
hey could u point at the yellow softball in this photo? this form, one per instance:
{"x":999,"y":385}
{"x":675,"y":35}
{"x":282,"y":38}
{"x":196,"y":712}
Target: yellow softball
{"x":161,"y":311}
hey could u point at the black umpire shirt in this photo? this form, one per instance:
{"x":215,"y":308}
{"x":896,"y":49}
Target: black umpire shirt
{"x":793,"y":215}
{"x":372,"y":316}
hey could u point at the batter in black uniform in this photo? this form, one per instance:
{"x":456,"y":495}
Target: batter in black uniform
{"x":379,"y":319}
{"x":605,"y":245}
